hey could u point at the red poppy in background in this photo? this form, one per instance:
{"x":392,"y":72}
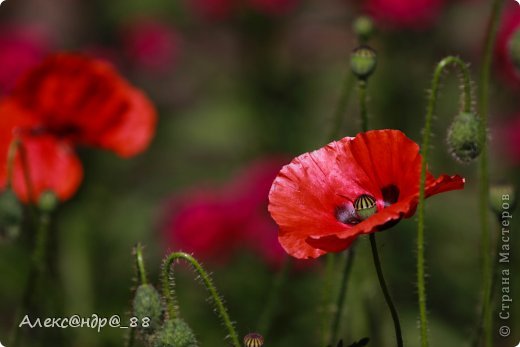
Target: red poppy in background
{"x":508,"y":138}
{"x":215,"y":224}
{"x":404,"y":14}
{"x":314,"y":199}
{"x":503,"y":61}
{"x":66,"y":101}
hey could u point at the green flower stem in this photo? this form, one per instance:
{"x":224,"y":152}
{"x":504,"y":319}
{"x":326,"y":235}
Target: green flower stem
{"x":341,"y":296}
{"x":168,"y":292}
{"x":341,"y":108}
{"x":273,"y":298}
{"x":432,"y":102}
{"x":386,"y":293}
{"x":362,"y":94}
{"x":139,"y":260}
{"x":326,"y":293}
{"x":483,"y":107}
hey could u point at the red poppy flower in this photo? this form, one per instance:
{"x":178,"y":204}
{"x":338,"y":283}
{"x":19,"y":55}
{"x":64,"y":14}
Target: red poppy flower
{"x":503,"y":61}
{"x":404,"y":14}
{"x":65,"y":101}
{"x":316,"y":199}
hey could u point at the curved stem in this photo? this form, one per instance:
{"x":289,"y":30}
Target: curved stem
{"x":206,"y":280}
{"x":483,"y":107}
{"x":341,"y":108}
{"x":141,"y":270}
{"x":432,"y":102}
{"x":273,"y":298}
{"x":386,"y":293}
{"x":341,"y":296}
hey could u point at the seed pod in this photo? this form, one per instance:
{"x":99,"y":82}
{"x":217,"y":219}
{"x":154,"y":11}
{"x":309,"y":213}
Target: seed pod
{"x":48,"y":201}
{"x":502,"y":197}
{"x":175,"y":333}
{"x":363,"y":62}
{"x":365,"y":206}
{"x":147,"y":308}
{"x":514,"y":48}
{"x":463,"y":137}
{"x":364,"y":28}
{"x":253,"y":340}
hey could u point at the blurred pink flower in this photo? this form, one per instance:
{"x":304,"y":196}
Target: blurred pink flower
{"x":214,"y":224}
{"x":503,"y":62}
{"x":510,"y":137}
{"x":404,"y":14}
{"x":21,"y":48}
{"x":151,"y":45}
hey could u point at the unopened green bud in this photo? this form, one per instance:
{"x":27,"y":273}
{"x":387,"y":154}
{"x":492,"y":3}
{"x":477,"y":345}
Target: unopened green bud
{"x":147,"y":308}
{"x":514,"y":48}
{"x":502,"y":198}
{"x":364,"y":28}
{"x":175,"y":333}
{"x":363,"y":61}
{"x":11,"y":211}
{"x":463,"y":137}
{"x":48,"y":201}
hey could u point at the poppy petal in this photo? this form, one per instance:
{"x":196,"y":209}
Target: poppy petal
{"x":52,"y":165}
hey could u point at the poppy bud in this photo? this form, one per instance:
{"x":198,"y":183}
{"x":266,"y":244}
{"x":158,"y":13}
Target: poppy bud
{"x":502,"y":197}
{"x":175,"y":333}
{"x":514,"y":48}
{"x":11,"y":213}
{"x":48,"y":201}
{"x":463,"y":137}
{"x":365,"y":206}
{"x":363,"y":61}
{"x":364,"y":28}
{"x":147,"y":305}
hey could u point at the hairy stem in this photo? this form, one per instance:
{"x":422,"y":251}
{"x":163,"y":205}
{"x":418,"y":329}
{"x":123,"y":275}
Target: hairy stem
{"x":386,"y":293}
{"x":483,"y":107}
{"x":432,"y":103}
{"x":139,"y":261}
{"x":208,"y":284}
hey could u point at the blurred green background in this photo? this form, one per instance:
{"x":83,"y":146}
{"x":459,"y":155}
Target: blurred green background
{"x":233,"y":91}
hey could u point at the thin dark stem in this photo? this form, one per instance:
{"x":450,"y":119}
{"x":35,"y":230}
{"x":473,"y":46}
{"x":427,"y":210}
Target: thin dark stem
{"x":266,"y":318}
{"x":386,"y":293}
{"x":483,"y":107}
{"x":362,"y":90}
{"x":341,"y":296}
{"x":341,"y":108}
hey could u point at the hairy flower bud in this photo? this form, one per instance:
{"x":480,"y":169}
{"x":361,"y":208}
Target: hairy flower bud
{"x":502,"y":197}
{"x":463,"y":137}
{"x":175,"y":333}
{"x":363,"y":61}
{"x":147,"y":304}
{"x":514,"y":48}
{"x":364,"y":28}
{"x":11,"y":213}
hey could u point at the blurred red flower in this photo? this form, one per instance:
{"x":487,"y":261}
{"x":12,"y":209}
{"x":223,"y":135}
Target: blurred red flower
{"x":404,"y":14}
{"x":22,"y":48}
{"x":70,"y":100}
{"x":313,"y":198}
{"x":509,"y":139}
{"x":151,"y":45}
{"x":503,"y":61}
{"x":214,"y":224}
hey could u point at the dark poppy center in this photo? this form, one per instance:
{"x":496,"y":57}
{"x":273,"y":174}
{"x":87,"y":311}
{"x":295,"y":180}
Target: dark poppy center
{"x":390,"y":194}
{"x":346,"y":214}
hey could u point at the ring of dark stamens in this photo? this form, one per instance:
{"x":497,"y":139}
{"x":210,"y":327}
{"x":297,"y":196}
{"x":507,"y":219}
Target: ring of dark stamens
{"x":390,"y":194}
